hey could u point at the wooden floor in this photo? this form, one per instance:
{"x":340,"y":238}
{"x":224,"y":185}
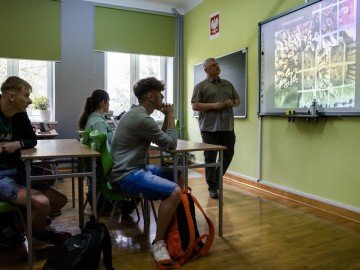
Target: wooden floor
{"x":260,"y":232}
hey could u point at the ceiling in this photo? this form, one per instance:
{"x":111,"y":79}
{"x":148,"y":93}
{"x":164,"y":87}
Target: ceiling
{"x":182,"y":6}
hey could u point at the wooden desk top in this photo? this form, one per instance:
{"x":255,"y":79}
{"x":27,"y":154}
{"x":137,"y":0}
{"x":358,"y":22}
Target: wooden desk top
{"x":189,"y":146}
{"x":46,"y":134}
{"x":58,"y":148}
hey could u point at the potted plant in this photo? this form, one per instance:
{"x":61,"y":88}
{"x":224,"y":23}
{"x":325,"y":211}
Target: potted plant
{"x":42,"y":104}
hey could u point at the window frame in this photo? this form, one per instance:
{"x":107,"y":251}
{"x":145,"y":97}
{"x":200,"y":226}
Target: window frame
{"x":166,"y":66}
{"x":13,"y":70}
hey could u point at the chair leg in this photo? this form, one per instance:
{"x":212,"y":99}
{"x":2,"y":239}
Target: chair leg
{"x":22,"y":220}
{"x":102,"y":208}
{"x":143,"y":209}
{"x":23,"y":224}
{"x":136,"y":208}
{"x":154,"y":210}
{"x":85,"y":204}
{"x":112,"y":214}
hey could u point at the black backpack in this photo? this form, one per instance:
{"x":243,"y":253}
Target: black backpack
{"x":83,"y":251}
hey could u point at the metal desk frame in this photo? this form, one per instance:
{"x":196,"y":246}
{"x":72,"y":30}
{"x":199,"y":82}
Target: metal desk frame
{"x":181,"y":154}
{"x":53,"y":149}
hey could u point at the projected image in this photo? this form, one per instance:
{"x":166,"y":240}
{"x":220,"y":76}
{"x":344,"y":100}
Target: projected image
{"x":315,"y":57}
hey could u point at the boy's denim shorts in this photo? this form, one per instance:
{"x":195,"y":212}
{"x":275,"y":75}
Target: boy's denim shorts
{"x":11,"y":182}
{"x":154,"y":183}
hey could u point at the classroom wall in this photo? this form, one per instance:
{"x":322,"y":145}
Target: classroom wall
{"x":318,"y":160}
{"x":81,"y":70}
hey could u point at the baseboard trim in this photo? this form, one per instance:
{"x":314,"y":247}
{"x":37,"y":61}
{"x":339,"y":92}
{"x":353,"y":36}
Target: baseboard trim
{"x":343,"y":211}
{"x":300,"y":198}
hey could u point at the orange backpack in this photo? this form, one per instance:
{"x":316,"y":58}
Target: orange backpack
{"x":183,"y":240}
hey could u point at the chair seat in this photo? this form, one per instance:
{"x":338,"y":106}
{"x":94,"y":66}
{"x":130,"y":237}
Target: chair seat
{"x":8,"y":207}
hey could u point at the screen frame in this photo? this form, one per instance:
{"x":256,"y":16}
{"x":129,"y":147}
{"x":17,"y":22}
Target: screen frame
{"x":355,"y":111}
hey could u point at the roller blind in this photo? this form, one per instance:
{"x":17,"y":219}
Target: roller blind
{"x":134,"y":32}
{"x":30,"y":29}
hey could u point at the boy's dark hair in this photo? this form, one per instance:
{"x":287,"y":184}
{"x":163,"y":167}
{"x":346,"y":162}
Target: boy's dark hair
{"x":145,"y":85}
{"x":14,"y":83}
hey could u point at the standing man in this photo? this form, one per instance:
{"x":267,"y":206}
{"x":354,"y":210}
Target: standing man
{"x":214,"y":99}
{"x":129,"y":148}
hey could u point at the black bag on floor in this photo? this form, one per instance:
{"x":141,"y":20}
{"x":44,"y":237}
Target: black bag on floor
{"x":83,"y":251}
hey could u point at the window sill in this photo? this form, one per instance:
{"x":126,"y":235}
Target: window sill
{"x":35,"y":120}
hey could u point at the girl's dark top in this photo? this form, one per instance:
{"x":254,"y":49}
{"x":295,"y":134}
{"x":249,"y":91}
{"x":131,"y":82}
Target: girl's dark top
{"x":16,"y":128}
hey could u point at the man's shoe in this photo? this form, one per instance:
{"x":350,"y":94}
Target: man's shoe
{"x":160,"y":252}
{"x":213,"y":194}
{"x":53,"y":237}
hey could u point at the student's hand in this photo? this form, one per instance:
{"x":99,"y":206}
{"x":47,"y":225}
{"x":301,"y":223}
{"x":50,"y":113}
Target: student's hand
{"x":218,"y":105}
{"x":229,"y":103}
{"x":167,"y":108}
{"x":10,"y":147}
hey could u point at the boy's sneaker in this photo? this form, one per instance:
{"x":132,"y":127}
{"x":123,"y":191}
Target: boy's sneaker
{"x":160,"y":252}
{"x":53,"y":237}
{"x":15,"y":241}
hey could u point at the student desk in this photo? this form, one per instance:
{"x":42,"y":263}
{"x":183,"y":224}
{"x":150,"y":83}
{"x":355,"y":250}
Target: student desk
{"x":181,"y":162}
{"x":54,"y":149}
{"x":52,"y":134}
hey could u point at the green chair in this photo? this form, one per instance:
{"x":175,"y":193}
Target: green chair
{"x":10,"y":207}
{"x":85,"y":137}
{"x":104,"y":166}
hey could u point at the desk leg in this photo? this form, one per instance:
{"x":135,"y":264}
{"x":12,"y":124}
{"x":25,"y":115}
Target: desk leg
{"x":174,"y":157}
{"x":221,"y":198}
{"x":28,"y":213}
{"x":80,"y":193}
{"x":185,"y":166}
{"x":93,"y":185}
{"x":72,"y":183}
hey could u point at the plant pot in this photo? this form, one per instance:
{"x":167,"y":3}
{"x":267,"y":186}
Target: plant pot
{"x":45,"y":115}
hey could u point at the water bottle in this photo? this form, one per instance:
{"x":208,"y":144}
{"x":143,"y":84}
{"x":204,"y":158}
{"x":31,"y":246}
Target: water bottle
{"x":313,"y":108}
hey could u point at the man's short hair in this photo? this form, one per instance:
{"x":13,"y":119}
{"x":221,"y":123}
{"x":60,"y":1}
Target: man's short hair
{"x":207,"y":61}
{"x":14,"y":83}
{"x":143,"y":86}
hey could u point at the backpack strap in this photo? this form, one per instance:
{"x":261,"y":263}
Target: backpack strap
{"x":189,"y":251}
{"x":107,"y":250}
{"x":210,"y":237}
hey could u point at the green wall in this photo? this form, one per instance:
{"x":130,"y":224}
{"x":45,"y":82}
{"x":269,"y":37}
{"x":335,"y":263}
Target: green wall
{"x":318,"y":159}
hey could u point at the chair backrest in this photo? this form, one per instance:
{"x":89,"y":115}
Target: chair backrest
{"x":85,"y":137}
{"x":104,"y":162}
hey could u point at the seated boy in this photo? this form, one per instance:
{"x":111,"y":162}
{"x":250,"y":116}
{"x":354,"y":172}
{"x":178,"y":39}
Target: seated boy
{"x":16,"y":133}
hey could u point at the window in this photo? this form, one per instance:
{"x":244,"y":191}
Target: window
{"x":123,"y":70}
{"x":38,"y":73}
